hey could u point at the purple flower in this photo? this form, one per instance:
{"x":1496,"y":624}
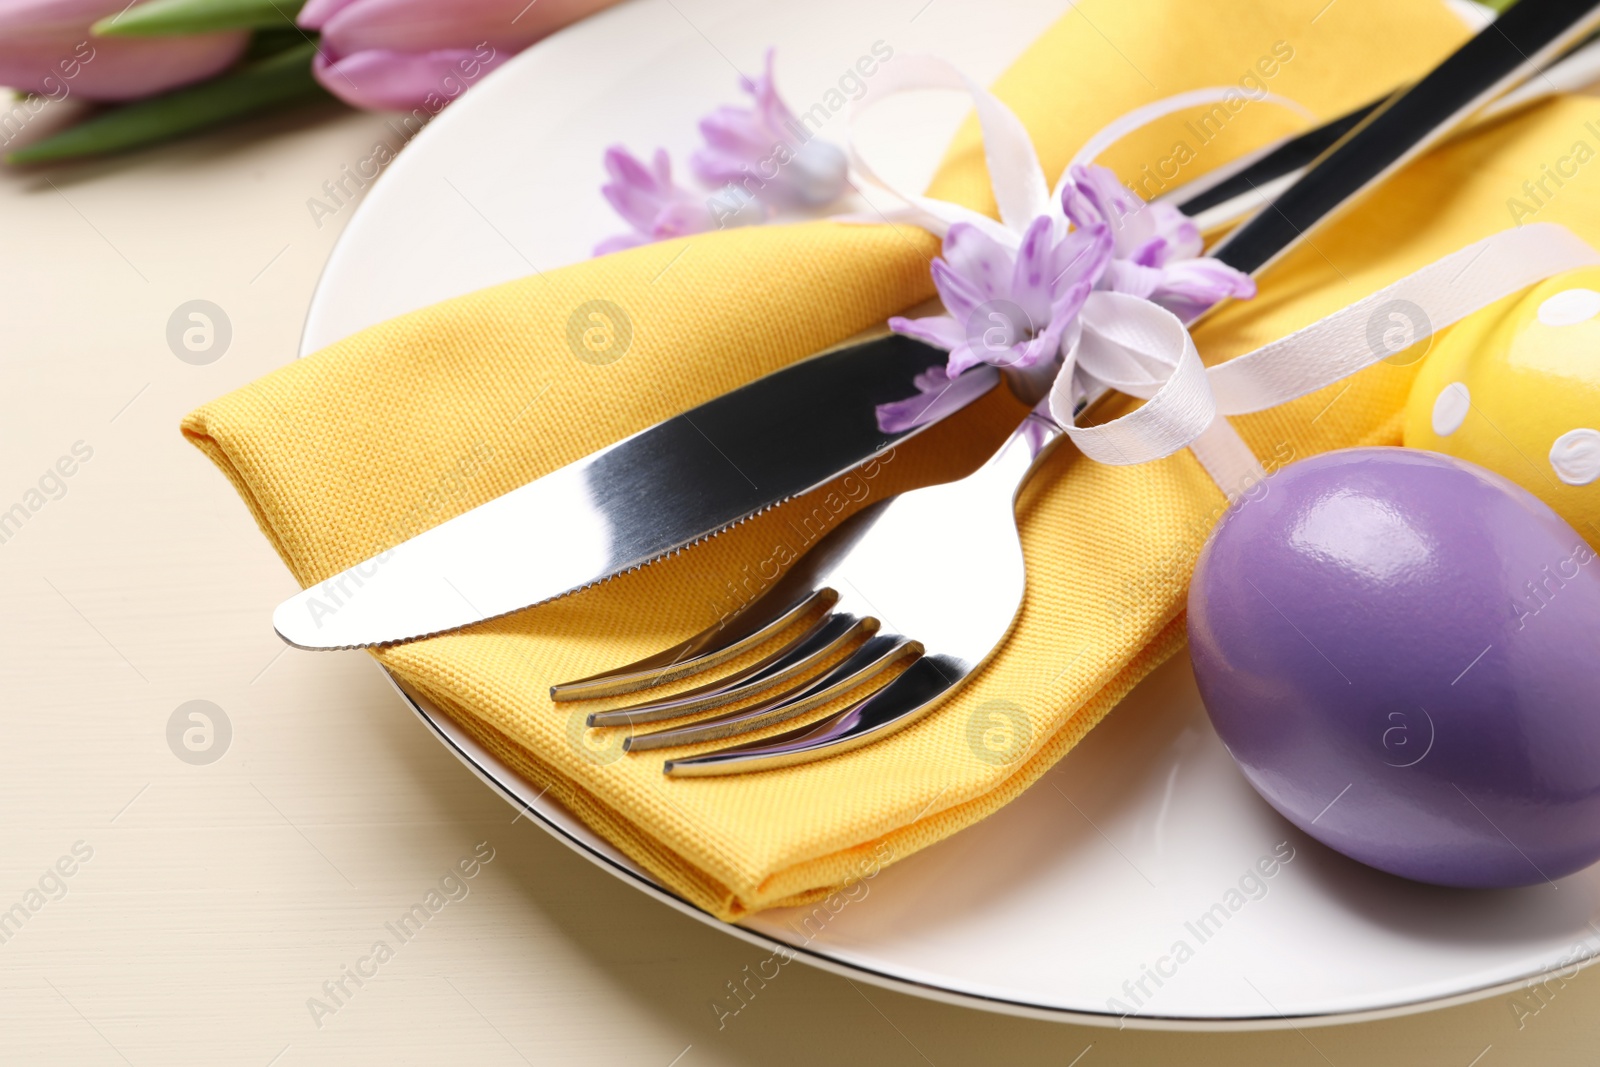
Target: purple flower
{"x":1017,"y":306}
{"x":765,"y":152}
{"x":402,"y":55}
{"x":1155,"y":247}
{"x":649,"y":201}
{"x":1010,"y":307}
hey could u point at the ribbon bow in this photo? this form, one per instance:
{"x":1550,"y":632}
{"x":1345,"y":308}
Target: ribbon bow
{"x":1112,"y":301}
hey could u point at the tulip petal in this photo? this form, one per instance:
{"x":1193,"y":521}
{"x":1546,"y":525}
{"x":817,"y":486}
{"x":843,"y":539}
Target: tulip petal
{"x":428,"y":25}
{"x":316,"y":13}
{"x":52,"y":19}
{"x":403,"y":81}
{"x":114,"y":69}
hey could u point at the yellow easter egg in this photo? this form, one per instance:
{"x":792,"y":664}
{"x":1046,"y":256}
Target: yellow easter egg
{"x":1516,"y":388}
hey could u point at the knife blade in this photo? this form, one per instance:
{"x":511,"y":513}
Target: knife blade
{"x":645,"y":497}
{"x":695,"y":475}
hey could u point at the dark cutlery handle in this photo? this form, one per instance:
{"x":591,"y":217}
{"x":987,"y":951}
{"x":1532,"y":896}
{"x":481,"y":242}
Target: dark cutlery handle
{"x":1522,"y":40}
{"x":1288,"y":157}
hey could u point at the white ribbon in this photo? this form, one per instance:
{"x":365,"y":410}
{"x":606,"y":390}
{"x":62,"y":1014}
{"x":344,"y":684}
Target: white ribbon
{"x":1139,"y":117}
{"x":1145,"y":351}
{"x":1015,"y":173}
{"x":1136,"y":347}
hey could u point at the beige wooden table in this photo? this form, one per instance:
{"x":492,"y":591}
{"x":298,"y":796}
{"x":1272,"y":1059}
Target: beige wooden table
{"x":218,"y":898}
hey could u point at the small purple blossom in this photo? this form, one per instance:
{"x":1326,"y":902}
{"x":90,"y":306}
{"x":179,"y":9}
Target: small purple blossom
{"x":648,"y":200}
{"x":1017,"y":307}
{"x":1155,"y":247}
{"x":766,"y":152}
{"x":1010,"y":307}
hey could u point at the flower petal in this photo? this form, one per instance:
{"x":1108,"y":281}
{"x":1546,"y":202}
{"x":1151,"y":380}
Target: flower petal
{"x":961,"y":298}
{"x":387,"y":80}
{"x":963,"y":357}
{"x":937,"y":396}
{"x":680,"y":217}
{"x":503,"y":26}
{"x":1063,"y":314}
{"x":1079,"y":210}
{"x":1032,"y":280}
{"x":736,"y":131}
{"x":1152,"y":253}
{"x":628,"y":169}
{"x":1179,"y":231}
{"x":774,"y":112}
{"x":114,"y":68}
{"x":1081,"y":257}
{"x":717,"y":168}
{"x":635,"y":192}
{"x":620,"y":242}
{"x":940,"y":331}
{"x":1190,"y":286}
{"x":1126,"y":276}
{"x":979,"y":260}
{"x":316,"y":13}
{"x":661,"y":169}
{"x":52,"y":20}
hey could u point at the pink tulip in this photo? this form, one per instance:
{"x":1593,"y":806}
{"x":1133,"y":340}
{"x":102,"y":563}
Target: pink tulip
{"x":399,"y":55}
{"x":45,"y":48}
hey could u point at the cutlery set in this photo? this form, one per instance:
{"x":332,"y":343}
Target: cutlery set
{"x":896,"y":607}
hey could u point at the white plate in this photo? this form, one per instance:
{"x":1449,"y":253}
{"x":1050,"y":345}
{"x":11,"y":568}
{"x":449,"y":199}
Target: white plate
{"x":1071,"y":896}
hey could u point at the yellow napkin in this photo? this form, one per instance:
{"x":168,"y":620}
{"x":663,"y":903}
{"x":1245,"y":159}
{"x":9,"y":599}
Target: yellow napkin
{"x":418,"y":419}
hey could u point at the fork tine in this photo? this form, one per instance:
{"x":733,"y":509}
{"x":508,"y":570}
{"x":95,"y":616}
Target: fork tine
{"x":796,"y":595}
{"x":715,"y":645}
{"x":877,"y":654}
{"x":916,"y":692}
{"x":823,"y":639}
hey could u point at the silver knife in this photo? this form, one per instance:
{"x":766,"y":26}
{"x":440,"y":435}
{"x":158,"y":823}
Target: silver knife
{"x":733,"y":457}
{"x":645,"y":497}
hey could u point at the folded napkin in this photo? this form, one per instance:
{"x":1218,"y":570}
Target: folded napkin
{"x":416,"y":420}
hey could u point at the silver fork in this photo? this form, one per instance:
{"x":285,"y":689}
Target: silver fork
{"x":884,"y":574}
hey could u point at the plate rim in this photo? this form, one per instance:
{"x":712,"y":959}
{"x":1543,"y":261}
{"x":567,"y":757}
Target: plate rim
{"x":499,"y":777}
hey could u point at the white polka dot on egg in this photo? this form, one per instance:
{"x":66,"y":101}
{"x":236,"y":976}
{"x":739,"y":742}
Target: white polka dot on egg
{"x":1575,"y":457}
{"x":1450,"y":410}
{"x":1570,"y":307}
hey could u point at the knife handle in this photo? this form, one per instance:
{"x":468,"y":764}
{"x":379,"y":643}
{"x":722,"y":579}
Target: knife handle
{"x":1292,"y":155}
{"x":1516,"y":44}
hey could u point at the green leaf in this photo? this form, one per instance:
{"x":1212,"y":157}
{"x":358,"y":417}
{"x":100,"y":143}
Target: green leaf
{"x":167,"y":18}
{"x":264,"y":43}
{"x":276,"y":81}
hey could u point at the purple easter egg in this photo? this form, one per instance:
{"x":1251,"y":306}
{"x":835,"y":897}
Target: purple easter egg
{"x":1402,"y":652}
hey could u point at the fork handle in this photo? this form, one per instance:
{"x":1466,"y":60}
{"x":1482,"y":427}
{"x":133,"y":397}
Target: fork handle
{"x":1013,"y":463}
